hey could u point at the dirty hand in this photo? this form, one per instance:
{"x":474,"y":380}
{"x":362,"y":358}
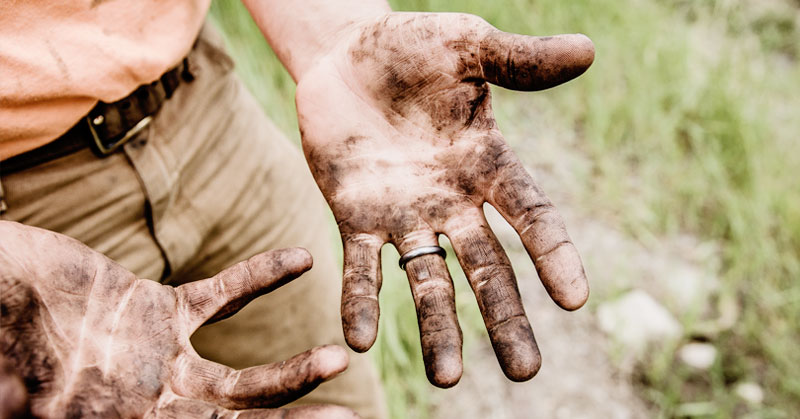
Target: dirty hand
{"x":90,"y":339}
{"x":398,"y":131}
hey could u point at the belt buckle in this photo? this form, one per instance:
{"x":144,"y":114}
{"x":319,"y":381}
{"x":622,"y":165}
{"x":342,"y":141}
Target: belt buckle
{"x":106,"y":149}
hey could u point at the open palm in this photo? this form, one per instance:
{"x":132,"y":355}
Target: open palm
{"x":398,"y":130}
{"x":90,"y":339}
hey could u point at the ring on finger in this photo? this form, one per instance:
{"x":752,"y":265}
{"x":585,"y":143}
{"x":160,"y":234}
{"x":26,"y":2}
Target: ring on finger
{"x":421,"y":251}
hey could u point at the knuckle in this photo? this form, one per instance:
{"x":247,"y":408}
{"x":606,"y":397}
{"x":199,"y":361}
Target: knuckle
{"x":553,"y":249}
{"x":360,"y":281}
{"x":468,"y":20}
{"x":491,"y":275}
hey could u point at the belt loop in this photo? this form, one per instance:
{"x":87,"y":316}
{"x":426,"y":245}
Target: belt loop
{"x":189,"y":70}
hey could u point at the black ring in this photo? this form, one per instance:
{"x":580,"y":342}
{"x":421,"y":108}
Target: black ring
{"x":421,"y":251}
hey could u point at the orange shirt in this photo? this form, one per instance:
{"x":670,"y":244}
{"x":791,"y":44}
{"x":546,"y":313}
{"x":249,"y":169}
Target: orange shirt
{"x":59,"y":57}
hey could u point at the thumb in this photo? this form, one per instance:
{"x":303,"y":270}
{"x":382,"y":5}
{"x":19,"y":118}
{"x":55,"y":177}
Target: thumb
{"x":528,"y":63}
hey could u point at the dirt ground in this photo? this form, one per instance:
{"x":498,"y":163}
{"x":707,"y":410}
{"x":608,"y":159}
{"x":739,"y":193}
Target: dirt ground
{"x":577,"y":378}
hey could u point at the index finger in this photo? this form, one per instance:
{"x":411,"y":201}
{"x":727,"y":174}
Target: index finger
{"x":228,"y":291}
{"x":524,"y":205}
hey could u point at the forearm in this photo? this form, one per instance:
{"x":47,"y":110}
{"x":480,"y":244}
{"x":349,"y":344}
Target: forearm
{"x":300,"y":30}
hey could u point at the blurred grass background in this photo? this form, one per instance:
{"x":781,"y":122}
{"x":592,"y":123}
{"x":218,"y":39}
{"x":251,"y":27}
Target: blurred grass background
{"x":690,"y":117}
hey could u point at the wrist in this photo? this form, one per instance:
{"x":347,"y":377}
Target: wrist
{"x":302,"y":32}
{"x":340,"y":37}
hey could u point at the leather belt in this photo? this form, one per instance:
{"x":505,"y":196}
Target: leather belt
{"x":108,"y":125}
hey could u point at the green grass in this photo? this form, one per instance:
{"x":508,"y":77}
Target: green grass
{"x":690,"y":118}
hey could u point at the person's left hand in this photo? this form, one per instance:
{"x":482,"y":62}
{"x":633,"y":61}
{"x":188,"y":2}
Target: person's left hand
{"x":88,"y":338}
{"x":398,"y":131}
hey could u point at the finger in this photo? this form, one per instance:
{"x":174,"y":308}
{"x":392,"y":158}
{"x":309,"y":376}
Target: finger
{"x":529,"y":63}
{"x":269,"y":385}
{"x":524,"y":205}
{"x":360,"y":286}
{"x":303,"y":412}
{"x":230,"y":290}
{"x":491,"y":277}
{"x":434,"y":297}
{"x":176,"y":407}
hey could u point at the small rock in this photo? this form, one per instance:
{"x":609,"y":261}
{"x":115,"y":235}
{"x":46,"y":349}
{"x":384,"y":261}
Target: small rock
{"x":684,"y":276}
{"x":636,"y":320}
{"x":688,"y":286}
{"x":698,"y":355}
{"x":750,"y":392}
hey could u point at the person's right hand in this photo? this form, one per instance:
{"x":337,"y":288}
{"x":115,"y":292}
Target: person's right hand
{"x":397,"y":126}
{"x":88,"y":338}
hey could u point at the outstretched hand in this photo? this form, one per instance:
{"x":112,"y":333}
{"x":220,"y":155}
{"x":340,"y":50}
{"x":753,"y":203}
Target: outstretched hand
{"x":398,"y":131}
{"x":90,"y":339}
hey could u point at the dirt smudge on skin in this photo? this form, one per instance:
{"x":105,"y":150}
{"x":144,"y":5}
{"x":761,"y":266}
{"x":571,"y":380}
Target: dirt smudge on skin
{"x":440,"y":334}
{"x":427,"y":154}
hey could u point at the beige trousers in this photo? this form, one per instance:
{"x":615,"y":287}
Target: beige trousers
{"x":209,"y":183}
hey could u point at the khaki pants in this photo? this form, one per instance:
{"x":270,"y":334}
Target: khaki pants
{"x":209,"y":183}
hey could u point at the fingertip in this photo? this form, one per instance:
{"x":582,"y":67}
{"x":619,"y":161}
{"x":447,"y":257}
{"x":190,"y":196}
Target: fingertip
{"x":524,"y":371}
{"x":333,"y":360}
{"x":291,"y":261}
{"x":562,"y":274}
{"x":446,"y":374}
{"x":359,"y":341}
{"x":360,"y":323}
{"x":301,"y":258}
{"x":441,"y":351}
{"x":577,"y":295}
{"x":583,"y":50}
{"x":516,"y":349}
{"x":570,"y":56}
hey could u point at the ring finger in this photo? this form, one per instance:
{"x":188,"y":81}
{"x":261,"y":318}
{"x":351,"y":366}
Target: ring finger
{"x":434,"y":297}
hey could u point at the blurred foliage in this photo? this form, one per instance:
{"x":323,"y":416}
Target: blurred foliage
{"x":690,"y":117}
{"x":257,"y":65}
